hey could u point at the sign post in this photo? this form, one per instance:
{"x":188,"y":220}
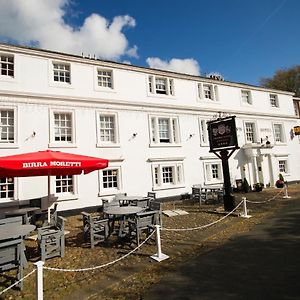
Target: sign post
{"x":223,"y":142}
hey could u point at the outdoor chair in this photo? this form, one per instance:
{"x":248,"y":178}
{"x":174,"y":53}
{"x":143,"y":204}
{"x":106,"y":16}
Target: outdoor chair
{"x":95,"y":229}
{"x":143,"y":223}
{"x":196,"y":195}
{"x":151,"y":196}
{"x":12,"y":256}
{"x":52,"y":239}
{"x":143,"y":203}
{"x":156,"y":206}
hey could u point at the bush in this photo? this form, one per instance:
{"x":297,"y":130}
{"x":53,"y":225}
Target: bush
{"x":246,"y":186}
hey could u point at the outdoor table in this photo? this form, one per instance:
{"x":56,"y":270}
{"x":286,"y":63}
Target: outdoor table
{"x":123,"y":212}
{"x":21,"y":212}
{"x":9,"y":231}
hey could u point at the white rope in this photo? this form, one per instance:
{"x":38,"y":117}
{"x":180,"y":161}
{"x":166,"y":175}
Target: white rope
{"x":5,"y":290}
{"x":101,"y":266}
{"x":268,"y":200}
{"x":203,"y":226}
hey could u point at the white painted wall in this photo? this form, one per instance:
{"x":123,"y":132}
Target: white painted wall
{"x":34,"y":95}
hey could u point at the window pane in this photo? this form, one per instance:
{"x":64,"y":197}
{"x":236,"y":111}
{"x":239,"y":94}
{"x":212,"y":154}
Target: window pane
{"x":7,"y":128}
{"x":63,"y":127}
{"x":61,"y":72}
{"x":64,"y":184}
{"x":7,"y":65}
{"x":107,"y":128}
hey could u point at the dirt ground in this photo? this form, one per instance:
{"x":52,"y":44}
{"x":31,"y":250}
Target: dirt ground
{"x":130,"y":277}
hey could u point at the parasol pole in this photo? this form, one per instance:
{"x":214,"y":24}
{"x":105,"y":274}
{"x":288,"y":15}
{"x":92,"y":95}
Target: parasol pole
{"x":48,"y":198}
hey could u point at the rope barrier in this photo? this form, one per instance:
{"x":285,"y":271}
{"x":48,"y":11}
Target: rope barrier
{"x":268,"y":200}
{"x":203,"y":226}
{"x":17,"y":282}
{"x":101,"y":266}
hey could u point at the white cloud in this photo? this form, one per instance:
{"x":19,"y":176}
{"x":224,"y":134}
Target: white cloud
{"x":42,"y":23}
{"x":186,"y":66}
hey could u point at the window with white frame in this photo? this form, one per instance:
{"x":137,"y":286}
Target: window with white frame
{"x":246,"y":97}
{"x":274,"y":100}
{"x":208,"y":91}
{"x":283,"y":166}
{"x":107,"y":129}
{"x":250,"y":132}
{"x":278,"y":133}
{"x":105,"y":78}
{"x":167,"y":175}
{"x":296,"y":108}
{"x":7,"y":126}
{"x":213,"y":172}
{"x":203,"y":133}
{"x":7,"y":65}
{"x":63,"y":127}
{"x":160,"y":85}
{"x":164,"y":130}
{"x":61,"y":72}
{"x":64,"y":184}
{"x":7,"y":188}
{"x":110,"y":180}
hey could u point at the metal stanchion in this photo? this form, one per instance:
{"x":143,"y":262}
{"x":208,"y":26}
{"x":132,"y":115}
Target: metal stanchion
{"x":286,"y":195}
{"x":39,"y":280}
{"x":245,"y":212}
{"x":159,"y":256}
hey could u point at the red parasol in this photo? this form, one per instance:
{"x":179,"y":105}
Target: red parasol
{"x":47,"y":163}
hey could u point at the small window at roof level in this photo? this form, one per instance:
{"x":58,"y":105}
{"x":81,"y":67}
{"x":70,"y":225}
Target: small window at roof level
{"x":6,"y":65}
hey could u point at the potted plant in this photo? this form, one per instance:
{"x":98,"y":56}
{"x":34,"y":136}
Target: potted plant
{"x":258,"y":187}
{"x":280,"y":182}
{"x":246,"y":186}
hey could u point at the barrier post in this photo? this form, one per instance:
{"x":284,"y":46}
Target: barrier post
{"x":286,"y":195}
{"x":245,"y":212}
{"x":159,"y":256}
{"x":39,"y":280}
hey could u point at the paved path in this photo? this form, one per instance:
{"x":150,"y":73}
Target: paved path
{"x":262,"y":264}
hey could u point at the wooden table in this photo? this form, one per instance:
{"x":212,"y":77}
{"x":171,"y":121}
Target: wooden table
{"x":21,"y":212}
{"x":10,"y":231}
{"x":123,"y":212}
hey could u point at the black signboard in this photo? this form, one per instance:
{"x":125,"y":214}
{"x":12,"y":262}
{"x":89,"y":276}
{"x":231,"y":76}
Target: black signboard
{"x":222,"y":134}
{"x":297,"y":130}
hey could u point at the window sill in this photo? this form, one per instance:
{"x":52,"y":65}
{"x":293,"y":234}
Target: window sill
{"x":61,"y":145}
{"x":8,"y":79}
{"x":160,"y":188}
{"x":207,"y":100}
{"x":61,"y":85}
{"x":108,"y":193}
{"x":162,"y":96}
{"x":164,"y":145}
{"x":104,"y":89}
{"x":108,"y":145}
{"x":280,"y":144}
{"x":8,"y":146}
{"x":67,"y":197}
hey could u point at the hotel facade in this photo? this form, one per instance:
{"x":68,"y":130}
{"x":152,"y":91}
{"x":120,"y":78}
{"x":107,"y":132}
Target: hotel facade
{"x":150,"y":124}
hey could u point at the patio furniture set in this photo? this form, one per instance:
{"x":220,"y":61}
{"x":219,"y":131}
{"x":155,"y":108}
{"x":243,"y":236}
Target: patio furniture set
{"x":123,"y":216}
{"x":15,"y":227}
{"x":207,"y":194}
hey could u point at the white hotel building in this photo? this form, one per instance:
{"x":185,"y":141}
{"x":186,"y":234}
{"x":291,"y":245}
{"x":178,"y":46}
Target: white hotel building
{"x":150,"y":124}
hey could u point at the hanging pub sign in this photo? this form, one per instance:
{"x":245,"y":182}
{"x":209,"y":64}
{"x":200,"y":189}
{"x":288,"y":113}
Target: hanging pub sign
{"x":297,"y":130}
{"x":222,"y":134}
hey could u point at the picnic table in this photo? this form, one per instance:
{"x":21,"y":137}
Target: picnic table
{"x":122,"y":212}
{"x":10,"y":231}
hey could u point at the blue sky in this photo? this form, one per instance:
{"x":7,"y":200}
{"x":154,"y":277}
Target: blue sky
{"x":241,"y":39}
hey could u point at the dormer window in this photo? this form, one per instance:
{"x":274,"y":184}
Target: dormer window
{"x":246,"y":97}
{"x":274,"y":100}
{"x":6,"y":65}
{"x":61,"y":72}
{"x":161,"y":85}
{"x":208,"y":91}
